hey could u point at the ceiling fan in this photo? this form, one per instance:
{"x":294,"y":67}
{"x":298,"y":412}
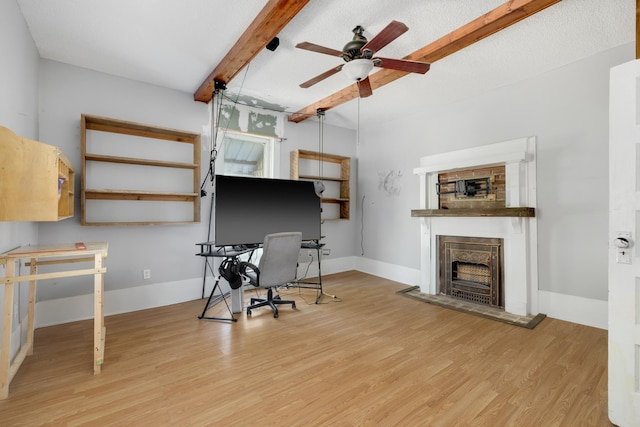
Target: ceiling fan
{"x":358,"y":55}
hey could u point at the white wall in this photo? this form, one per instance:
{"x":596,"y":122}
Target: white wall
{"x":65,"y":92}
{"x":168,"y":251}
{"x":18,"y":73}
{"x":18,"y":112}
{"x":340,"y":234}
{"x":567,"y":111}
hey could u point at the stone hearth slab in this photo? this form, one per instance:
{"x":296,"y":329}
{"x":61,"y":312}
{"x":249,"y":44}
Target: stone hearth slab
{"x":529,"y":322}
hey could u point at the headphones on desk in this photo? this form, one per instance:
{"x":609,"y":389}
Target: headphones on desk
{"x":229,"y":270}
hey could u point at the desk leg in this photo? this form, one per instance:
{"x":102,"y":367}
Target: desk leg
{"x":237,"y":300}
{"x":5,"y":356}
{"x":31,"y":319}
{"x":98,"y":317}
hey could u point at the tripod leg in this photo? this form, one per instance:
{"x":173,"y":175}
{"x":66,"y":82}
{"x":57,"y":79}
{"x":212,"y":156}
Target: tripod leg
{"x":321,"y":292}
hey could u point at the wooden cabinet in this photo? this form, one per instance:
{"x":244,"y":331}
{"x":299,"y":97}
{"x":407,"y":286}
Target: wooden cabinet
{"x":137,"y":174}
{"x":333,"y":171}
{"x":36,"y":180}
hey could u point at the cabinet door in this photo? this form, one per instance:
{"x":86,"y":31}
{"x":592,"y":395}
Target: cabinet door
{"x":36,"y":180}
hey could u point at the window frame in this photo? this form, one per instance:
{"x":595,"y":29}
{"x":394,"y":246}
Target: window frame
{"x":271,"y":156}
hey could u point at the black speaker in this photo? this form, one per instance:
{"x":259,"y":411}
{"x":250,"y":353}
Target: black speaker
{"x":273,"y":44}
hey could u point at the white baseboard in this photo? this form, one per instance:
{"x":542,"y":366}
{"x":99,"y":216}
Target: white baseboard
{"x":574,"y":309}
{"x":328,"y":266}
{"x":65,"y":310}
{"x":585,"y":311}
{"x":398,"y":273}
{"x":338,"y":265}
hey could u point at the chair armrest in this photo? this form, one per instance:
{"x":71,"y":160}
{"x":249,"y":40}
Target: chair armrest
{"x":250,"y":271}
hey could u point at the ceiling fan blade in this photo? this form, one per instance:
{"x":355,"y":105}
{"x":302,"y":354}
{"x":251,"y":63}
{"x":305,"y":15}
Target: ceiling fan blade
{"x":321,"y":77}
{"x":391,"y":32}
{"x":319,"y":49}
{"x":364,"y":88}
{"x":402,"y":65}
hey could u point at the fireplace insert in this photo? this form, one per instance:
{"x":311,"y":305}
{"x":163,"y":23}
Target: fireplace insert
{"x":471,"y":269}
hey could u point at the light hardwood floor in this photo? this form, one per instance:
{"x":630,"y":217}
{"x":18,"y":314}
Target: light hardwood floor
{"x":373,"y":358}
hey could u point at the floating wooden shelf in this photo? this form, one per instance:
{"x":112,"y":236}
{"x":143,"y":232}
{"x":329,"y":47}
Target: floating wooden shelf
{"x":138,"y":195}
{"x":343,"y":177}
{"x":141,"y":162}
{"x":142,"y":170}
{"x":476,"y":212}
{"x":334,"y":200}
{"x":322,"y":178}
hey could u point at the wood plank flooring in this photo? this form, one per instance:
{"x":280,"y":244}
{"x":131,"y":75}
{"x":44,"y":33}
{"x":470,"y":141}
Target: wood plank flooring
{"x":369,"y":358}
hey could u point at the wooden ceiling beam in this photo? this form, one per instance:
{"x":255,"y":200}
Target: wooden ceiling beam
{"x":637,"y":29}
{"x":273,"y":17}
{"x":499,"y":18}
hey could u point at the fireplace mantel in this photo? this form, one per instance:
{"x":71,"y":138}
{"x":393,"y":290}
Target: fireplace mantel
{"x":520,"y":212}
{"x":515,"y":223}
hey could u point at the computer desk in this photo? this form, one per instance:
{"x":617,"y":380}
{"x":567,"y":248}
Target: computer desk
{"x":210,"y":250}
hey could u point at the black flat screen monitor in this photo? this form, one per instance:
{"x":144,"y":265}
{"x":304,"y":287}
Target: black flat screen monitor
{"x":247,"y":209}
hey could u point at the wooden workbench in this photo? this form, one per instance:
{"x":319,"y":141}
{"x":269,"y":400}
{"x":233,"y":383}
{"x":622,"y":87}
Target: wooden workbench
{"x":56,"y":254}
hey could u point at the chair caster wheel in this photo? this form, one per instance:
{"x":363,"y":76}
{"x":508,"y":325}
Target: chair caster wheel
{"x":248,"y":312}
{"x":275,"y":315}
{"x":293,"y":306}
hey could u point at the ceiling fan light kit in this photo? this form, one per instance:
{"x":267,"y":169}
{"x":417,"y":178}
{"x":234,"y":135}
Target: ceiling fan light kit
{"x":358,"y":69}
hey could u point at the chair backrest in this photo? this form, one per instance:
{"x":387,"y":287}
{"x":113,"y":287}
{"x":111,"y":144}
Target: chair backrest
{"x":279,"y":261}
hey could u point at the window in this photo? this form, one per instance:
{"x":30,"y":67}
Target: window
{"x":247,"y":155}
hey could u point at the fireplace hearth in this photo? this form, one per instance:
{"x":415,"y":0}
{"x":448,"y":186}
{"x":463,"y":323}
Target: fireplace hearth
{"x":471,"y":269}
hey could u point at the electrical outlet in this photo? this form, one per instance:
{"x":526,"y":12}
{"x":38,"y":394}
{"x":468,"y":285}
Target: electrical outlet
{"x":305,"y":256}
{"x":326,"y":251}
{"x":146,"y":274}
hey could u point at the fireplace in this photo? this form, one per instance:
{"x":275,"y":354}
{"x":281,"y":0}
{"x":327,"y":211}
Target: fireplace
{"x":467,"y":269}
{"x":471,"y":269}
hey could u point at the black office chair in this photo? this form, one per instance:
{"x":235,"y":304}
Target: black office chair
{"x":278,"y":266}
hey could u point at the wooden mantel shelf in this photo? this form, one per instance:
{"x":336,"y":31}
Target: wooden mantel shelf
{"x":493,"y":212}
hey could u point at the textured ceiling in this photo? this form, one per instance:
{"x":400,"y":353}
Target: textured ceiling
{"x":176,"y":44}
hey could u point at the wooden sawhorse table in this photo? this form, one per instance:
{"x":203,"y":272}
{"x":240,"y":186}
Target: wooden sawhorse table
{"x":63,"y":254}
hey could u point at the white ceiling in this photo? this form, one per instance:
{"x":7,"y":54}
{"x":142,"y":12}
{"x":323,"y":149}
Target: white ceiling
{"x":176,"y":44}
